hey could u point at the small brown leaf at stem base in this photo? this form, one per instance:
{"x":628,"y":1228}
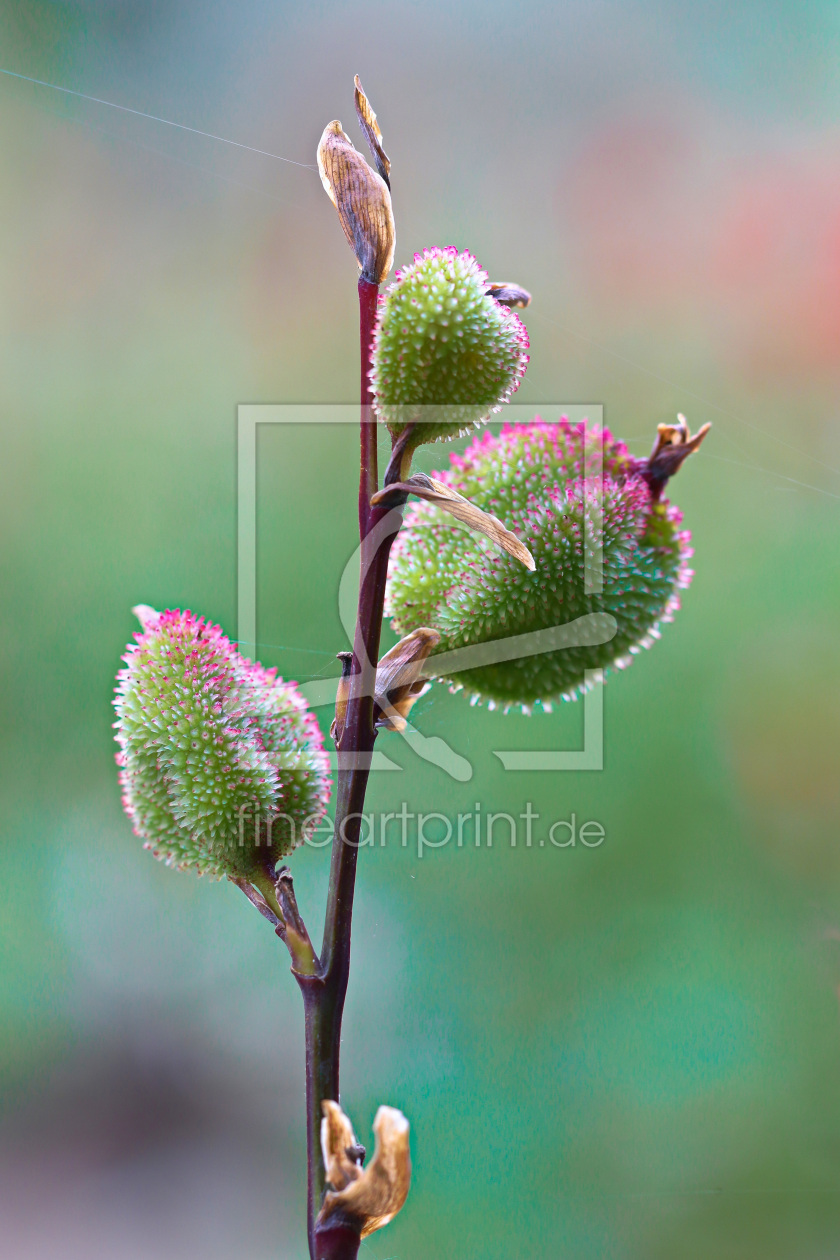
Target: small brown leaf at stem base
{"x":398,"y":681}
{"x":338,"y":1147}
{"x":462,"y":509}
{"x":363,"y":202}
{"x":373,"y":134}
{"x":507,"y":294}
{"x":674,"y":443}
{"x":364,"y":1198}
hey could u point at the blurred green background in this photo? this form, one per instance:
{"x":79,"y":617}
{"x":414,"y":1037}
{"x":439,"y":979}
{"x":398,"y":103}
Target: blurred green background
{"x":631,"y":1052}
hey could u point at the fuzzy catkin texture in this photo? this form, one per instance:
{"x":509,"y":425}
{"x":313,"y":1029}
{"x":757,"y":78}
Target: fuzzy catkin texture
{"x":221,"y":762}
{"x":543,"y":481}
{"x":445,"y":355}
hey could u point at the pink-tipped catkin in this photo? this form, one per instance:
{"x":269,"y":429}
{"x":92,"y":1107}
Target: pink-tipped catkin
{"x":222,"y":765}
{"x":602,"y":543}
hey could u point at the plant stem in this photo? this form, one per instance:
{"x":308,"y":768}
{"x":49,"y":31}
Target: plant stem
{"x":368,"y":479}
{"x":339,"y":1242}
{"x":324,"y":991}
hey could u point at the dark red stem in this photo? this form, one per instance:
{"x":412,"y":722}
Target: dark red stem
{"x":337,"y":1243}
{"x":368,"y":480}
{"x":324,"y":993}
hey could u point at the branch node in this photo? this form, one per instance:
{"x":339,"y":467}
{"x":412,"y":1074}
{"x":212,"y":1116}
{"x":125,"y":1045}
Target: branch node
{"x":293,"y":929}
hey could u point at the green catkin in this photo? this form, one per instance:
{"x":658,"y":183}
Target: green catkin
{"x":533,"y":477}
{"x":222,"y":765}
{"x":446,"y":355}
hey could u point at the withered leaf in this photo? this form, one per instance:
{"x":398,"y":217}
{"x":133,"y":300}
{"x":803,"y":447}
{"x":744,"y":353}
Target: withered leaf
{"x":338,"y":1147}
{"x":398,"y":681}
{"x":373,"y":134}
{"x":507,"y":294}
{"x":674,"y":443}
{"x":363,"y":202}
{"x":369,"y":1197}
{"x":462,"y":509}
{"x":342,"y":696}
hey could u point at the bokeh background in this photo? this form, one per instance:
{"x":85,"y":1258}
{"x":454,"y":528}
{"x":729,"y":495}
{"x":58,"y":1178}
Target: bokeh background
{"x":631,"y":1052}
